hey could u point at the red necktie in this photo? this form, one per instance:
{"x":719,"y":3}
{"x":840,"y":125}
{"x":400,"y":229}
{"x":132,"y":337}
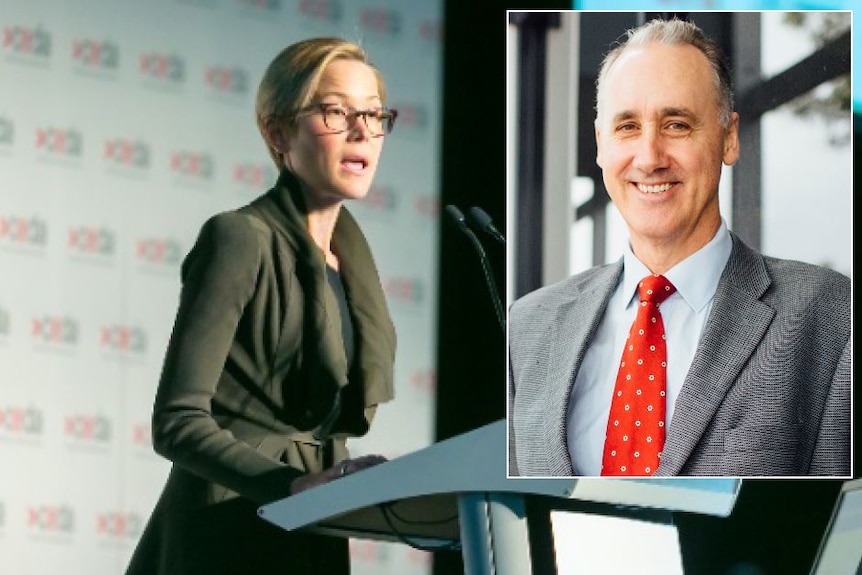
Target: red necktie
{"x":636,"y":424}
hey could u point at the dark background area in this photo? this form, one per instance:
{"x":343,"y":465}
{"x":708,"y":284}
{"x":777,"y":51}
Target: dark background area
{"x":776,"y":526}
{"x":471,"y":369}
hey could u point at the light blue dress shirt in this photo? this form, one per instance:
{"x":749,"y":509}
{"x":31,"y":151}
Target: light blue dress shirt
{"x":684,"y":314}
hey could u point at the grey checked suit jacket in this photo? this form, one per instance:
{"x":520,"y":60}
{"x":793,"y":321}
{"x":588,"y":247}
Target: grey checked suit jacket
{"x":767,"y":394}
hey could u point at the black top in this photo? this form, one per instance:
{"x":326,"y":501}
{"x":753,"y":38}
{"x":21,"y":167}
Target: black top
{"x":334,"y":279}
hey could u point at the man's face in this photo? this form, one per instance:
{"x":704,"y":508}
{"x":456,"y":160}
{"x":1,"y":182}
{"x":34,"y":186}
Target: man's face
{"x":661,"y":145}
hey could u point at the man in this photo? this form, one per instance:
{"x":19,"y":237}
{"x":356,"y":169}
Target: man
{"x":741,"y":367}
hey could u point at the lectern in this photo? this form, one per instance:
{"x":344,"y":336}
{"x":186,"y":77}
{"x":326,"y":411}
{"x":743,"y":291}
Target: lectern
{"x":455,"y":493}
{"x":840,"y":550}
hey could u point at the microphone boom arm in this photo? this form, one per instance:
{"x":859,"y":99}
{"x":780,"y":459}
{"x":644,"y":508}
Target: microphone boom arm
{"x":458,"y":217}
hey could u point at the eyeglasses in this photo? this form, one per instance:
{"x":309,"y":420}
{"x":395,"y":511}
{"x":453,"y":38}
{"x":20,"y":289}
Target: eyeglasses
{"x":340,"y":118}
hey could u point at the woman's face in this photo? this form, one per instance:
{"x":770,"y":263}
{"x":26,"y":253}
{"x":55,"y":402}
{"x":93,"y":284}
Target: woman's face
{"x":335,"y":166}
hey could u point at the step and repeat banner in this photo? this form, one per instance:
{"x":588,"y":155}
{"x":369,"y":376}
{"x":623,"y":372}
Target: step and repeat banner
{"x":124,"y":125}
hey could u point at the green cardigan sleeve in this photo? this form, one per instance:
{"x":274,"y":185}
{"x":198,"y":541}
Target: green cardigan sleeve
{"x":219,"y":278}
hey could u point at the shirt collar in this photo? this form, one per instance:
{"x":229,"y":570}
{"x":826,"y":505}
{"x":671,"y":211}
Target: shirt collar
{"x":695,"y":278}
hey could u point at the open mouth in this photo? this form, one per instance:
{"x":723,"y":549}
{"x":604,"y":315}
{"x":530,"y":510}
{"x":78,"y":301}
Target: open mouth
{"x":355,"y":164}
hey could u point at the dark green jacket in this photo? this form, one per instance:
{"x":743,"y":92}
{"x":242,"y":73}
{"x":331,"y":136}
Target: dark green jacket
{"x":255,"y":388}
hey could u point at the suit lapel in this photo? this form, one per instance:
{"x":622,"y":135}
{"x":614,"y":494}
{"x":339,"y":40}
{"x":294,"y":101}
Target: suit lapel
{"x":572,"y":328}
{"x":736,"y":324}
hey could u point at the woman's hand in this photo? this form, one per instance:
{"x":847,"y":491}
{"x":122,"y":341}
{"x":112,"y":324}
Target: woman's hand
{"x":345,"y":467}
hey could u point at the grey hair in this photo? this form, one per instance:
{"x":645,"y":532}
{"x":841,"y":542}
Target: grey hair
{"x":676,"y":32}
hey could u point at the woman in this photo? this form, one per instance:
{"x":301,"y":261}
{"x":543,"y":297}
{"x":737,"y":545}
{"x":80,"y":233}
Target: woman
{"x":283,"y":345}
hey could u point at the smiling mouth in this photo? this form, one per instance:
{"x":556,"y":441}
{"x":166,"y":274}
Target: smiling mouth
{"x":655,"y":188}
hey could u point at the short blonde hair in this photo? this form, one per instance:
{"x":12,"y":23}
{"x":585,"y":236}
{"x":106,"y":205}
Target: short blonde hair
{"x":291,"y":79}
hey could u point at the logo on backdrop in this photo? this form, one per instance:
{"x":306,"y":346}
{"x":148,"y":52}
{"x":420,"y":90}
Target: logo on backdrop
{"x":47,"y":519}
{"x":4,"y":323}
{"x":365,"y":551}
{"x":142,"y":436}
{"x":158,"y":251}
{"x":119,"y":525}
{"x":405,"y":290}
{"x":226,"y":80}
{"x":427,"y":206}
{"x":270,"y":5}
{"x":381,"y":198}
{"x":20,"y":422}
{"x":431,"y":31}
{"x":55,"y":330}
{"x":54,"y":142}
{"x":125,"y":339}
{"x":32,"y":43}
{"x":424,"y":380}
{"x":20,"y":231}
{"x":87,"y":429}
{"x":412,"y":117}
{"x":166,"y":68}
{"x":254,"y":177}
{"x":126,"y":154}
{"x":95,"y":55}
{"x":93,"y":241}
{"x":381,"y":21}
{"x":7,"y":132}
{"x":199,"y":3}
{"x":324,"y":10}
{"x":192,"y":166}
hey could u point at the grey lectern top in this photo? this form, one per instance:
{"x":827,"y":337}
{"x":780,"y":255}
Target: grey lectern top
{"x":432,"y":497}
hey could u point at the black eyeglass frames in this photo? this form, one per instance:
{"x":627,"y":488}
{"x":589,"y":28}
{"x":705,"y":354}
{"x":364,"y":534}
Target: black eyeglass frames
{"x":341,"y":118}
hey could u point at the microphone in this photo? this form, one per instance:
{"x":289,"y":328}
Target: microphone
{"x":458,"y":217}
{"x":481,"y":220}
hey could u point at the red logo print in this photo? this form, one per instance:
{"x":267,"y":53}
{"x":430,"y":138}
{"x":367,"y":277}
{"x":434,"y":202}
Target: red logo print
{"x":28,"y":41}
{"x":54,"y":329}
{"x":94,"y":54}
{"x":51,"y":519}
{"x":329,"y":10}
{"x":87,"y":428}
{"x":60,"y":142}
{"x":23,"y":231}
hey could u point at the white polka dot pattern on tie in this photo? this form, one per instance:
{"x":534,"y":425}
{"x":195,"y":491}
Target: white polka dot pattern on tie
{"x":635,"y":432}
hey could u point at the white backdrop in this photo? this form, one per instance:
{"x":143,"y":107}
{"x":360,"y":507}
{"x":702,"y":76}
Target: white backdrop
{"x":124,"y":124}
